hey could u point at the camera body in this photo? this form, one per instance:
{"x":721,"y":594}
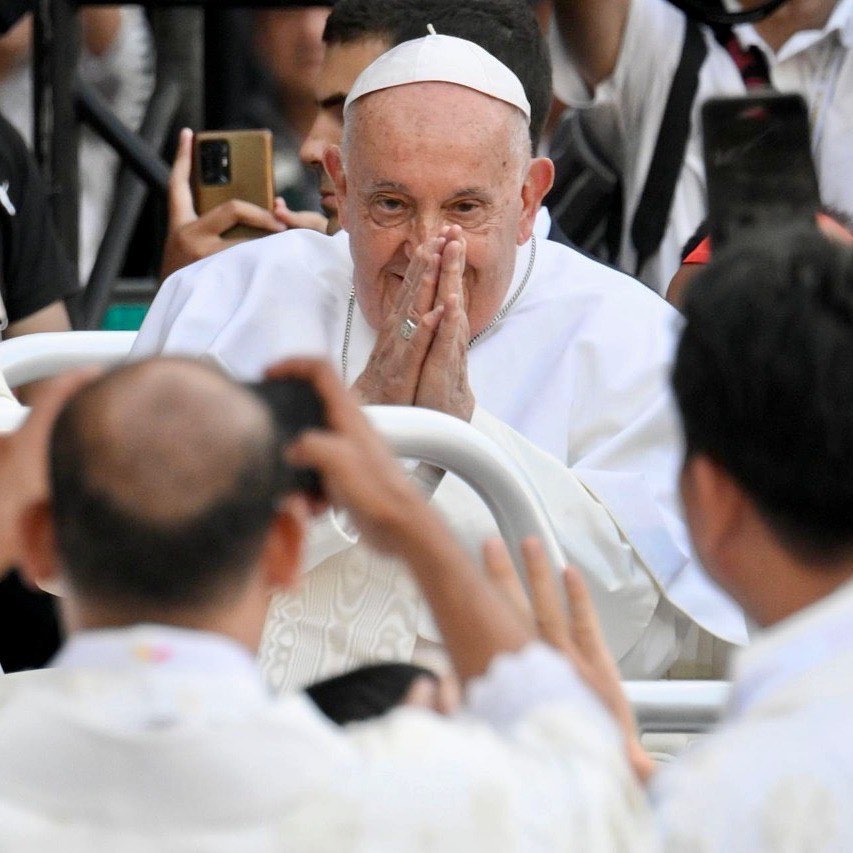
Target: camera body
{"x":296,"y":408}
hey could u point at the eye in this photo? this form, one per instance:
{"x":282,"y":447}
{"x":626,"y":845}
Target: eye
{"x":388,"y":209}
{"x":466,"y":207}
{"x":390,"y":205}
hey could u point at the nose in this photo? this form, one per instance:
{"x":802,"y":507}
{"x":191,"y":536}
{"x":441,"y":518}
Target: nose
{"x":315,"y":144}
{"x":423,"y":227}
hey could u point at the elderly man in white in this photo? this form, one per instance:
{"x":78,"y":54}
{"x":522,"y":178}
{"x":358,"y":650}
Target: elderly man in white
{"x":437,"y":294}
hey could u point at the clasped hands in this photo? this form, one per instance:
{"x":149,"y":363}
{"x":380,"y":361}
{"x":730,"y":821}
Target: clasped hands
{"x":421,"y":353}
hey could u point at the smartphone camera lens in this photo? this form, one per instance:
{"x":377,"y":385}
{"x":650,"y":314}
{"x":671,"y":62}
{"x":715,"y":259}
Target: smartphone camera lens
{"x":215,"y":161}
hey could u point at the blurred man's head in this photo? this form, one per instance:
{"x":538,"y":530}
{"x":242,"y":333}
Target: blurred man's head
{"x":764,"y":381}
{"x":359,"y":31}
{"x":421,"y":156}
{"x":164,"y":478}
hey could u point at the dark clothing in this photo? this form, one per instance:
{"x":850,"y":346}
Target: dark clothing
{"x":34,"y":271}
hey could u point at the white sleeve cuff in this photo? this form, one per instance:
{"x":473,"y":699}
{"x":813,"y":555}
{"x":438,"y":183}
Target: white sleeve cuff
{"x":517,"y":683}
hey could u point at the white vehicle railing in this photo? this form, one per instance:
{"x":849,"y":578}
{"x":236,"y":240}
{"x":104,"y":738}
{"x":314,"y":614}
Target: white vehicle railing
{"x":44,"y":354}
{"x":677,"y":706}
{"x":456,"y":446}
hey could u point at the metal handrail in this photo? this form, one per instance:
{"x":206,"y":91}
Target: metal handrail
{"x":457,"y":447}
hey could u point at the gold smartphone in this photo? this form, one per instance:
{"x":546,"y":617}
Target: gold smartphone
{"x":233,"y":164}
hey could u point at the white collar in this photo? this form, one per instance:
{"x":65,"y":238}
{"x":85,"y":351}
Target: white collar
{"x":793,"y":647}
{"x":840,"y":21}
{"x":164,"y":647}
{"x":542,"y":223}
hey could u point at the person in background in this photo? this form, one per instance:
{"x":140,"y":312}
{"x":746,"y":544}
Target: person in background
{"x":764,"y":384}
{"x":35,"y":275}
{"x":619,"y":56}
{"x":288,"y":45}
{"x":697,"y":252}
{"x":117,"y":59}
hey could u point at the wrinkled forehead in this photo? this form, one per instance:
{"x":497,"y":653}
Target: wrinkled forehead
{"x":408,"y":117}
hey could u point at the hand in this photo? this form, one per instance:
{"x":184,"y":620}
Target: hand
{"x":23,"y":460}
{"x":393,"y":370}
{"x":577,"y":635}
{"x":359,"y":473}
{"x":443,"y":383}
{"x":299,"y":218}
{"x":192,"y":237}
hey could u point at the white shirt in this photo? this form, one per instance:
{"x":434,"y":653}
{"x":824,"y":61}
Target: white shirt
{"x":573,"y":384}
{"x":157,"y":738}
{"x":778,"y":773}
{"x":816,"y":64}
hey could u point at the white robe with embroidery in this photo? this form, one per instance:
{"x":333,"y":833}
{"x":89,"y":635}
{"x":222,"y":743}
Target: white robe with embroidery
{"x":165,"y":740}
{"x":573,"y":383}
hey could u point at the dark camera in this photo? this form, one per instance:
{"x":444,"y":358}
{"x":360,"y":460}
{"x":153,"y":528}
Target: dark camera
{"x":296,"y":408}
{"x":215,"y":161}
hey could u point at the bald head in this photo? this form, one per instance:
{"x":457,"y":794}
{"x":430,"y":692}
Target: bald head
{"x":164,"y":475}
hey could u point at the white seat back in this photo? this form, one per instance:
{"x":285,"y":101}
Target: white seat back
{"x":45,"y":354}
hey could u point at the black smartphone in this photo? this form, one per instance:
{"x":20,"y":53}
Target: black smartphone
{"x":296,"y":408}
{"x":758,"y":164}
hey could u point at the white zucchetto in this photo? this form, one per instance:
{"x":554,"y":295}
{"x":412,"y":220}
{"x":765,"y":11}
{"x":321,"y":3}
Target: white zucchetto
{"x":441,"y":59}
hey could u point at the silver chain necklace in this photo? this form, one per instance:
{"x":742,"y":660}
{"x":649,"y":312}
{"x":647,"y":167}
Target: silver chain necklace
{"x":481,"y":334}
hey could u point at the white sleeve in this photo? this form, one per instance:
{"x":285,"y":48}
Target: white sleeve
{"x":619,"y":582}
{"x":554,"y":777}
{"x":515,"y":684}
{"x":621,"y":526}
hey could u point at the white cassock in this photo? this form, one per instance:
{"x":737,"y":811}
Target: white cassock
{"x":154,"y":738}
{"x":573,"y":383}
{"x":778,"y":773}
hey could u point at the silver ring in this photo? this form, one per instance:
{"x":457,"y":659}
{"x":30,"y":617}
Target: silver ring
{"x":407,"y":328}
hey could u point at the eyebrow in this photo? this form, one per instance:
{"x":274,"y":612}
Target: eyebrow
{"x":478,"y":191}
{"x":332,"y":101}
{"x":389,"y":185}
{"x":397,"y":187}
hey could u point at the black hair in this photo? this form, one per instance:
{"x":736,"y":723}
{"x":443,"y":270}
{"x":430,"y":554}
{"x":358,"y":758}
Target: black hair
{"x":764,"y":381}
{"x":505,"y":28}
{"x":111,"y":553}
{"x":367,"y":692}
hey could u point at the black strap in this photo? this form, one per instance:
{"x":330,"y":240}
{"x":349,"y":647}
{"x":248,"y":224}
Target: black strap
{"x":652,"y":214}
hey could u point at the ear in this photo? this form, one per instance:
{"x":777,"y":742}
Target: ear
{"x":281,"y":557}
{"x":333,"y":162}
{"x":540,"y":177}
{"x":715,"y":509}
{"x":40,"y":561}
